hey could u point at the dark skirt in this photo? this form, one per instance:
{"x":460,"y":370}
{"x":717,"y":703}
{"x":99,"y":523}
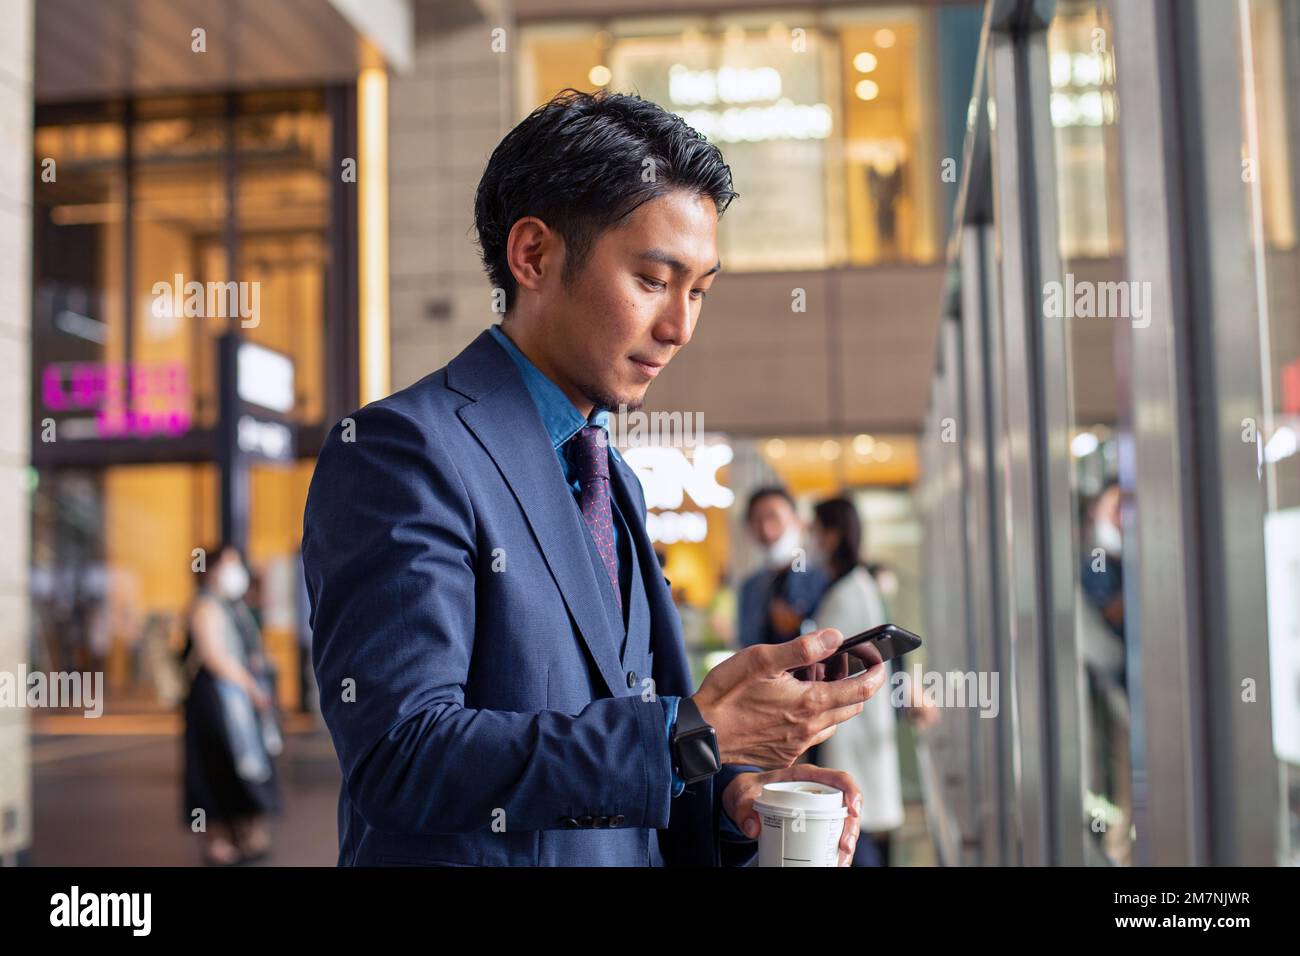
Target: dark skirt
{"x":211,"y":782}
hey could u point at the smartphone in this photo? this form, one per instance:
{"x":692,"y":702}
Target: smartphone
{"x":862,"y":652}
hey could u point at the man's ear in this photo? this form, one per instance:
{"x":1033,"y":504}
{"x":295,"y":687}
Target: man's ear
{"x":534,"y":252}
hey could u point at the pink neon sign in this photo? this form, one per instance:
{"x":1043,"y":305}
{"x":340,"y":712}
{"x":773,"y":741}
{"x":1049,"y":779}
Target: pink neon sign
{"x":160,"y":393}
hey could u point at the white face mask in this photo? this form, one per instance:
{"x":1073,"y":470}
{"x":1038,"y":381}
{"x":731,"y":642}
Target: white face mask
{"x":780,"y":551}
{"x":232,"y":581}
{"x":1108,"y":536}
{"x":817,"y":556}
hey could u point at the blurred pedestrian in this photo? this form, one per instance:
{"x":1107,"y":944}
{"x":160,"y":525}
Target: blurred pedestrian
{"x":231,"y":735}
{"x":865,"y":746}
{"x":775,"y":599}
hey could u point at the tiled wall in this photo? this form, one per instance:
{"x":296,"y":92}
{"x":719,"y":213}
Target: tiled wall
{"x":445,"y":117}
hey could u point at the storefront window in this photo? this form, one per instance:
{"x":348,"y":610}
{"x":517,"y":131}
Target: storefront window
{"x":819,"y":116}
{"x":162,"y":225}
{"x":1084,"y":115}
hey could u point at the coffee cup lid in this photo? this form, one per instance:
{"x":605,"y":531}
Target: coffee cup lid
{"x":805,"y":795}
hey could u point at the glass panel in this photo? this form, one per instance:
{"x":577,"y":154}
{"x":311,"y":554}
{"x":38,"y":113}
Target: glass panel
{"x":283,"y":208}
{"x":179,"y":183}
{"x":277,"y":496}
{"x":100,"y":601}
{"x":1269,"y":62}
{"x":79,"y":198}
{"x":1092,"y":298}
{"x":1084,"y":106}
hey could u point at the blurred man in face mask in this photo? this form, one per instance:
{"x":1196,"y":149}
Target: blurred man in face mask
{"x":775,"y":600}
{"x":1103,"y":567}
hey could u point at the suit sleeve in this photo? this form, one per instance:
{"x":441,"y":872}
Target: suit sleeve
{"x":390,"y":552}
{"x":734,"y":848}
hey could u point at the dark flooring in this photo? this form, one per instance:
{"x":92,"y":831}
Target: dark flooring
{"x":112,"y":800}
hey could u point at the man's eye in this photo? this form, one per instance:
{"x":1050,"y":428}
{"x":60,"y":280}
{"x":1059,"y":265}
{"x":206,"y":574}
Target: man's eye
{"x":702,"y":293}
{"x":654,"y":284}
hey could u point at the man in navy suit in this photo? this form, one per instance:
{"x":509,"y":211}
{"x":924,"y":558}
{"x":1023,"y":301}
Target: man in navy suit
{"x":499,"y":659}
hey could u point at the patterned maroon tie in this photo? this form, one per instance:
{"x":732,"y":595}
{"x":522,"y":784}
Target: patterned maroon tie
{"x":590,"y":455}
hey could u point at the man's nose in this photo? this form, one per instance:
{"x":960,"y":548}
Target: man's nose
{"x":677,"y":324}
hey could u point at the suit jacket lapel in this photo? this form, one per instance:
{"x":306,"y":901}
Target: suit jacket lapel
{"x":504,"y":419}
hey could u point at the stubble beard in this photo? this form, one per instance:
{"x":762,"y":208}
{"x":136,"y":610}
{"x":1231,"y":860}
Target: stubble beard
{"x":609,"y":401}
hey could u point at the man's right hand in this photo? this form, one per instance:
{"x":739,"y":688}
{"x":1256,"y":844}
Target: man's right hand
{"x":765,"y":716}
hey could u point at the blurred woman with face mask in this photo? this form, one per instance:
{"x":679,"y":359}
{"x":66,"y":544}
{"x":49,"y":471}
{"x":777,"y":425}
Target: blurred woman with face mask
{"x":231,"y":735}
{"x":865,"y":746}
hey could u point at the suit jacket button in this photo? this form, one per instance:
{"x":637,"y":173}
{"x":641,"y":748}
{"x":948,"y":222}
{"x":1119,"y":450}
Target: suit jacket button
{"x":584,"y":822}
{"x":617,"y":820}
{"x":568,"y":823}
{"x":601,"y":823}
{"x":631,"y":678}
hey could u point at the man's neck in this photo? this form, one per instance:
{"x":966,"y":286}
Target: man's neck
{"x":524,"y":343}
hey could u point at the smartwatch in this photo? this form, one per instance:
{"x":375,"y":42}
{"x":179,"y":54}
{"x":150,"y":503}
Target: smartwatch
{"x":694,"y":744}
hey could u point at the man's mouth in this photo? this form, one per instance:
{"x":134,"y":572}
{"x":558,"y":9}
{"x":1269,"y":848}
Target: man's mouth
{"x":648,"y":368}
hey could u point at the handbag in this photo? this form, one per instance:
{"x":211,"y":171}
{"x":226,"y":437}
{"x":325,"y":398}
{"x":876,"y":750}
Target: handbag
{"x":268,"y":719}
{"x":243,"y":731}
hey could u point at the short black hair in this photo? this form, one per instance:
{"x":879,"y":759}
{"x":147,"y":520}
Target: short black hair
{"x":579,"y":163}
{"x":839,"y":514}
{"x":764,"y":492}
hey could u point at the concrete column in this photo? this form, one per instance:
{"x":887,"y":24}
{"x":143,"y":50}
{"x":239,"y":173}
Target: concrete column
{"x":446,"y":115}
{"x":15,"y":414}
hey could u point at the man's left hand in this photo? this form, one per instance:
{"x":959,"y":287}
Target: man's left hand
{"x":738,"y":800}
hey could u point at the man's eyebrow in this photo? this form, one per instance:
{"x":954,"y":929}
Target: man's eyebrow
{"x":656,"y":255}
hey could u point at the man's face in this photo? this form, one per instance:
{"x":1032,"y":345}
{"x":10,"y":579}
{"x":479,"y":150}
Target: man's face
{"x":1107,"y":506}
{"x":635,"y":302}
{"x":771,"y":516}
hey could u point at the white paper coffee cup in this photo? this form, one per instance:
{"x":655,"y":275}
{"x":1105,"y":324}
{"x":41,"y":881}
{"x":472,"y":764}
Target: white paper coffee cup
{"x":802,"y":822}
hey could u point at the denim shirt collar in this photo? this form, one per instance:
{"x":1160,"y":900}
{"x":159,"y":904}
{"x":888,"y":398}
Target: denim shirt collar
{"x":558,"y":414}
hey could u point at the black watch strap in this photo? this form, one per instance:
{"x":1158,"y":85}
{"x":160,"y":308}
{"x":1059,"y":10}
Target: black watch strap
{"x":694,"y":744}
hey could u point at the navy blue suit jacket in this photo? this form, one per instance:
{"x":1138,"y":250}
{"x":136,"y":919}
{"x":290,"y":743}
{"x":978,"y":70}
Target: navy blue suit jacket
{"x":469,"y":674}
